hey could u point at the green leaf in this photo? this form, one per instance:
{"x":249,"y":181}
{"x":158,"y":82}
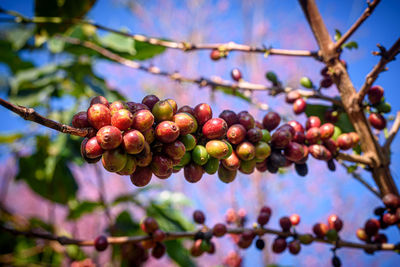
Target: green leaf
{"x":338,"y":34}
{"x":124,"y":225}
{"x":9,"y":57}
{"x":118,"y":43}
{"x":60,"y":8}
{"x":351,"y":45}
{"x":229,"y":91}
{"x":168,"y":218}
{"x":19,"y":36}
{"x":178,"y":253}
{"x":82,"y":208}
{"x":10,"y":138}
{"x":146,"y":51}
{"x":50,"y":178}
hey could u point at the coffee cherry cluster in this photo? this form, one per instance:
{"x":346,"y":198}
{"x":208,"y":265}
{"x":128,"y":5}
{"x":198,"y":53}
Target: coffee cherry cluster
{"x":387,"y":216}
{"x":377,"y":106}
{"x":155,"y":137}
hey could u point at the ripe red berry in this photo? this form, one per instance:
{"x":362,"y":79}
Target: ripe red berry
{"x":299,"y":106}
{"x":149,"y":225}
{"x":141,"y":177}
{"x":167,"y":131}
{"x":263,"y":218}
{"x":326,"y":82}
{"x":326,"y":130}
{"x":344,"y":141}
{"x":93,"y":149}
{"x":236,"y":134}
{"x":230,"y":117}
{"x":375,"y":94}
{"x":285,"y":223}
{"x":389,"y":218}
{"x":161,"y":166}
{"x":320,"y":230}
{"x":99,"y":116}
{"x":215,"y":128}
{"x":122,"y":119}
{"x":294,"y":219}
{"x":80,"y":120}
{"x":101,"y":243}
{"x":159,"y":250}
{"x":109,"y":137}
{"x":203,"y":113}
{"x":142,"y":120}
{"x":279,"y":245}
{"x":186,"y":109}
{"x":334,"y":222}
{"x":150,"y":101}
{"x":371,"y":227}
{"x":313,"y":121}
{"x":313,"y":135}
{"x":99,"y":100}
{"x":377,"y":121}
{"x":219,"y":230}
{"x":193,"y":172}
{"x":215,"y":54}
{"x":246,"y":119}
{"x":294,"y":247}
{"x":294,"y":151}
{"x":391,"y":201}
{"x":236,"y":74}
{"x":199,"y":217}
{"x":271,"y":120}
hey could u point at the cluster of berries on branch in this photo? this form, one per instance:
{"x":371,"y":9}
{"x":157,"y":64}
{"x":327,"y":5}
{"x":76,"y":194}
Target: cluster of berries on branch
{"x":156,"y":137}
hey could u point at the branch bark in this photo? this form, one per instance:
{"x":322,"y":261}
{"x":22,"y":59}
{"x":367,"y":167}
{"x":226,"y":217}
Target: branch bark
{"x":355,"y":158}
{"x":392,"y":133}
{"x":367,"y":12}
{"x":386,"y":57}
{"x":370,"y":147}
{"x":31,"y":115}
{"x":177,"y":235}
{"x":184,"y":46}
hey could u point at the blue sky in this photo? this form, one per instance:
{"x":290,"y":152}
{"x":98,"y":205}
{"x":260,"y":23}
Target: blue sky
{"x":223,"y":21}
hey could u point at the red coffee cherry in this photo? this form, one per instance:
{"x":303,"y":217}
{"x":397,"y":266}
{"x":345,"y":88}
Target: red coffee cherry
{"x":271,"y":120}
{"x":219,"y":230}
{"x":199,"y":217}
{"x":377,"y":121}
{"x":101,"y":243}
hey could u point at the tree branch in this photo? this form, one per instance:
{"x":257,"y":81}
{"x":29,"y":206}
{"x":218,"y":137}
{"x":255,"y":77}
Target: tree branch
{"x":386,"y":57}
{"x":177,"y":235}
{"x":355,"y":158}
{"x":202,"y":82}
{"x":392,"y":133}
{"x":381,"y":171}
{"x":184,"y":46}
{"x":367,"y":12}
{"x":318,"y":27}
{"x":31,"y":115}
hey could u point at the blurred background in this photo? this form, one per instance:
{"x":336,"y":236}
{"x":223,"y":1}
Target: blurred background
{"x":44,"y":180}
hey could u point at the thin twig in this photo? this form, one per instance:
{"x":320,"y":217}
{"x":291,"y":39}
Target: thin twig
{"x":386,"y":57}
{"x":177,"y":235}
{"x":184,"y":46}
{"x":358,"y":177}
{"x":31,"y":115}
{"x":392,"y":133}
{"x":367,"y":12}
{"x":202,"y":82}
{"x":355,"y":158}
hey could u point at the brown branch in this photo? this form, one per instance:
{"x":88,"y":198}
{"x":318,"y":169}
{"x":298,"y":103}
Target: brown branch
{"x":358,"y":177}
{"x":386,"y":57}
{"x":184,"y":46}
{"x":202,"y":82}
{"x":176,"y":235}
{"x":318,"y":27}
{"x":392,"y":133}
{"x":367,"y":12}
{"x":381,"y":171}
{"x":355,"y":158}
{"x":31,"y":115}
